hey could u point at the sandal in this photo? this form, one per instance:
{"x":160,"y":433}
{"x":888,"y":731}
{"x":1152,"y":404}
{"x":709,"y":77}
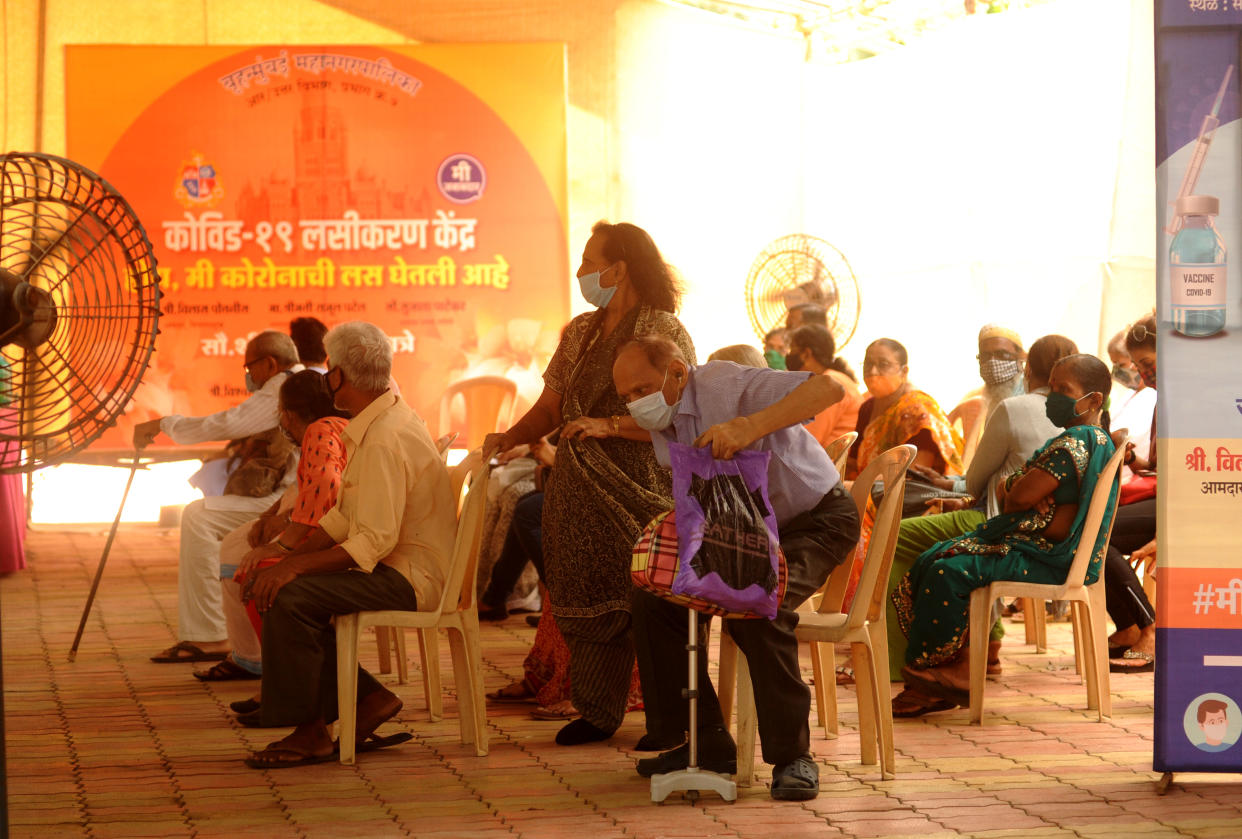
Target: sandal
{"x":912,"y":703}
{"x":270,"y":758}
{"x":560,"y":711}
{"x":518,"y":692}
{"x":936,"y":683}
{"x":1148,"y":665}
{"x":225,"y":671}
{"x":845,"y":675}
{"x":192,"y":652}
{"x":796,"y":781}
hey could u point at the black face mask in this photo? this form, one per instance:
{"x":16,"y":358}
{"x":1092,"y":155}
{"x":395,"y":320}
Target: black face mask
{"x":793,"y":361}
{"x":328,"y":381}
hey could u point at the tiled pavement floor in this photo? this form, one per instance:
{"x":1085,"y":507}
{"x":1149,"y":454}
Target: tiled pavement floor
{"x":116,"y":746}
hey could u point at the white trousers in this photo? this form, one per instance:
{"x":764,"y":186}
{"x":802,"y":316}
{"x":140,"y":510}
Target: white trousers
{"x":200,"y":615}
{"x":233,"y":548}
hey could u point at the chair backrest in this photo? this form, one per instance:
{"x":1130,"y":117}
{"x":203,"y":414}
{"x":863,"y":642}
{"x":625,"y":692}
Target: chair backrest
{"x":444,"y":444}
{"x":969,"y":412}
{"x":1104,"y":485}
{"x":839,"y":450}
{"x":890,"y":467}
{"x":459,"y":475}
{"x":488,"y":403}
{"x":463,"y":562}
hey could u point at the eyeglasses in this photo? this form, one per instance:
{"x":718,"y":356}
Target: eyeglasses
{"x":879,"y":366}
{"x":247,"y":365}
{"x":996,"y":355}
{"x":1140,"y":333}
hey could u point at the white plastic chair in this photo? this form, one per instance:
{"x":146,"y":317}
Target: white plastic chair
{"x":1088,"y":616}
{"x":457,"y":612}
{"x":862,"y":627}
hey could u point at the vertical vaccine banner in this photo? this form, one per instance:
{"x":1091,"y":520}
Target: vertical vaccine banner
{"x":422,"y":188}
{"x":1199,"y":426}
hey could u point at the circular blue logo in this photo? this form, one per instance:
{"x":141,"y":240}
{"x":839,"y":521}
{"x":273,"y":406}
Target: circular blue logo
{"x":461,"y":178}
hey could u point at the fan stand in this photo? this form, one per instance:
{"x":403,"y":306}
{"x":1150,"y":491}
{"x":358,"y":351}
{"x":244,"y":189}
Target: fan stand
{"x":103,"y":560}
{"x":692,"y":780}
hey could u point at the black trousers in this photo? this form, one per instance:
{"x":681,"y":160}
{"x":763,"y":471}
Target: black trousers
{"x":523,"y":543}
{"x":1134,"y":527}
{"x":299,"y":642}
{"x":814,"y":543}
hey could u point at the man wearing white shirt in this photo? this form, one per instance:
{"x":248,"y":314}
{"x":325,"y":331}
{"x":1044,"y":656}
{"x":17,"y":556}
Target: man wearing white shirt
{"x":202,"y":635}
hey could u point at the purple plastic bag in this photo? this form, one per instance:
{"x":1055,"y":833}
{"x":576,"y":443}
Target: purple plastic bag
{"x":728,"y":545}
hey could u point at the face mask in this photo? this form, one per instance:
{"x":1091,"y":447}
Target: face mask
{"x":651,"y":412}
{"x":1149,"y":379}
{"x":994,"y":371}
{"x":793,"y":361}
{"x":1127,"y":377}
{"x":593,"y":292}
{"x":251,"y":384}
{"x":775,"y":360}
{"x":332,"y":391}
{"x":1215,"y":730}
{"x":881,"y":386}
{"x":1060,"y":409}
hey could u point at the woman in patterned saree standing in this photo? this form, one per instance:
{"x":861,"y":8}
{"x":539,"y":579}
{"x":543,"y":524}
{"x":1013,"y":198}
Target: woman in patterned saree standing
{"x":606,"y":485}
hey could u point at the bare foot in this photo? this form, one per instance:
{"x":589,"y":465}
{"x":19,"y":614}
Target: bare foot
{"x":1127,"y":637}
{"x":1145,"y":645}
{"x":308,"y":743}
{"x":374,"y":710}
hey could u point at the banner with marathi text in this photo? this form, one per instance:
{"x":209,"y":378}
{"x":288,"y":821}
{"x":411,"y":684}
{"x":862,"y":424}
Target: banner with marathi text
{"x":421,"y":188}
{"x":1199,"y":426}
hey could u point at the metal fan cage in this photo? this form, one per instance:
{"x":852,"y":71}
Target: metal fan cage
{"x":799,"y":261}
{"x":79,"y":308}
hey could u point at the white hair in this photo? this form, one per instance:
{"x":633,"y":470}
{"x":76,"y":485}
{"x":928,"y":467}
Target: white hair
{"x":363,"y":352}
{"x":276,"y":344}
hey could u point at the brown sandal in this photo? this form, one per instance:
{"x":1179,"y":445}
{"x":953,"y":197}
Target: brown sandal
{"x":914,"y":703}
{"x":517,"y":693}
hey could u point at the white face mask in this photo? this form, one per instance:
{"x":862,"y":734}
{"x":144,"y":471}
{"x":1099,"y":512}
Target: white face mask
{"x":651,"y":412}
{"x":593,"y":292}
{"x":1215,"y":730}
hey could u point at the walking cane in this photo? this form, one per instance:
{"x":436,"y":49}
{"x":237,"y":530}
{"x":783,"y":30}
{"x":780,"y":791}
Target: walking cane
{"x":103,"y":560}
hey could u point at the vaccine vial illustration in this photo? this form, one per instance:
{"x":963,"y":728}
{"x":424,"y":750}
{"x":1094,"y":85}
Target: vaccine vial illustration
{"x":1197,"y":272}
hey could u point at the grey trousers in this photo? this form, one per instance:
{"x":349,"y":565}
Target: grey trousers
{"x":299,"y":642}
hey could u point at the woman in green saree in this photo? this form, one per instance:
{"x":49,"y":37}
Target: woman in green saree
{"x":1033,"y":540}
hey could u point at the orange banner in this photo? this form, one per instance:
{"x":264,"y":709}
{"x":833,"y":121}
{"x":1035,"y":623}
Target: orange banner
{"x":343,"y":183}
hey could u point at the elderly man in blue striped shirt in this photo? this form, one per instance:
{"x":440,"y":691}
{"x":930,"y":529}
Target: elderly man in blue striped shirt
{"x":729,"y":408}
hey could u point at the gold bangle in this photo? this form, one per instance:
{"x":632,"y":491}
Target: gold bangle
{"x":616,"y":426}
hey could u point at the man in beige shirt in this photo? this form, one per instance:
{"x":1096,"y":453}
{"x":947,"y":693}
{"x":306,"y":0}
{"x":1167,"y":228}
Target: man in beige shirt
{"x":385,"y":545}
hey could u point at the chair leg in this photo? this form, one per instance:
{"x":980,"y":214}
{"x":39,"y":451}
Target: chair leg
{"x":403,"y":661}
{"x":429,"y":652}
{"x":1081,"y":629}
{"x":878,"y":633}
{"x":1082,"y":641}
{"x":728,"y":677}
{"x":747,"y":724}
{"x":464,"y":678}
{"x":1041,"y":627}
{"x":824,"y":661}
{"x":347,"y":683}
{"x":474,"y":653}
{"x":382,"y":648}
{"x":1028,"y":620}
{"x":980,"y":611}
{"x":864,"y":685}
{"x":1098,"y":648}
{"x":817,"y":675}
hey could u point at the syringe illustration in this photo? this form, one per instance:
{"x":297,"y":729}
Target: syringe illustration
{"x":1210,"y":122}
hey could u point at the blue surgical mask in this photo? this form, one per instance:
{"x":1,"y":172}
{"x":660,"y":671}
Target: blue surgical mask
{"x":595,"y":294}
{"x":251,"y":384}
{"x":1127,"y":377}
{"x":651,"y":412}
{"x":1061,"y":409}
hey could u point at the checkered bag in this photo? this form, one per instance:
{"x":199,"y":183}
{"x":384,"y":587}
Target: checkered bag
{"x":653,"y":568}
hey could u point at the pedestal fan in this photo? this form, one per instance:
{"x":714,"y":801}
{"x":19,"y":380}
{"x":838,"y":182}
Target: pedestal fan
{"x":79,"y":309}
{"x":802,"y":269}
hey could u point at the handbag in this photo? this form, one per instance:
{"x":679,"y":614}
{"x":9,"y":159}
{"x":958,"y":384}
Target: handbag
{"x":727,"y":547}
{"x":918,"y":492}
